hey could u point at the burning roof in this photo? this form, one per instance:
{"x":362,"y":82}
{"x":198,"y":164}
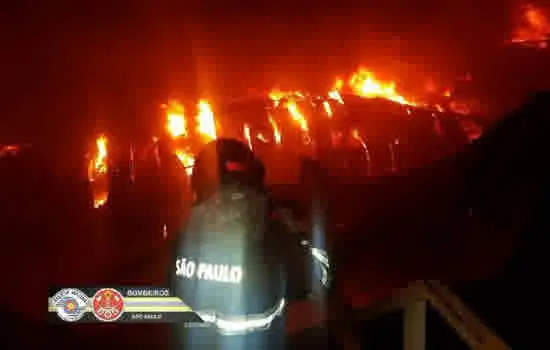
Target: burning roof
{"x":353,"y":115}
{"x":265,"y":118}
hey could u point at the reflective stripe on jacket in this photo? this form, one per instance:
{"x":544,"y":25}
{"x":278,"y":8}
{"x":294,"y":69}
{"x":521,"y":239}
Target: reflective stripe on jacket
{"x":234,"y":325}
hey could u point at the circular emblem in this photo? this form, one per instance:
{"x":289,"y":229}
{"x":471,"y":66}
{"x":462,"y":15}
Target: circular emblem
{"x":108,"y":305}
{"x":71,"y":304}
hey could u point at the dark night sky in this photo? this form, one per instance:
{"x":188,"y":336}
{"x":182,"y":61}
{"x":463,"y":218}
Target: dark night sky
{"x":111,"y":65}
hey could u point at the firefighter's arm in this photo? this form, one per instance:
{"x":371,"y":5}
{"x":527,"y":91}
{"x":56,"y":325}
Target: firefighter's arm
{"x":321,"y":271}
{"x":316,"y":258}
{"x":308,"y":268}
{"x":295,"y":261}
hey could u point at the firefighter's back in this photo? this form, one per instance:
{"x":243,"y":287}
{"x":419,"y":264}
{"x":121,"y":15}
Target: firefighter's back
{"x":227,"y":270}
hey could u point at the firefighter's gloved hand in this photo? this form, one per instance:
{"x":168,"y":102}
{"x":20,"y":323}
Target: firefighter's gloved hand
{"x":321,"y":264}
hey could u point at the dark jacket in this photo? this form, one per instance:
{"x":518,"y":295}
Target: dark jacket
{"x":276,"y":268}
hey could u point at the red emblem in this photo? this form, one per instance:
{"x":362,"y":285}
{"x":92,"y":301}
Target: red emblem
{"x":108,"y":305}
{"x":235,"y":166}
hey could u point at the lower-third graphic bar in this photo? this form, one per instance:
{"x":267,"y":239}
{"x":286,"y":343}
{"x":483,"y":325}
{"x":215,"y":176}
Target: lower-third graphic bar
{"x":134,"y":309}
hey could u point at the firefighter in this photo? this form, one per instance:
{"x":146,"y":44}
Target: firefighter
{"x":236,"y":265}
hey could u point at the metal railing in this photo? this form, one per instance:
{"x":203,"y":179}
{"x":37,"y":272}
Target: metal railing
{"x":415,"y":299}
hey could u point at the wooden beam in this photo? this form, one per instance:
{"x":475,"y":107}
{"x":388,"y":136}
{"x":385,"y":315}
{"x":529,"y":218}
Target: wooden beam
{"x":414,"y":327}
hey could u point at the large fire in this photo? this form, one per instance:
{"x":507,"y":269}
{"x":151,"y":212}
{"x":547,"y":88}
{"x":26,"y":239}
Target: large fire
{"x":188,"y":127}
{"x":187,"y":134}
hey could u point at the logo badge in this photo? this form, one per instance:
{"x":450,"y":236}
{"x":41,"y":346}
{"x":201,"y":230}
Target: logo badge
{"x":71,"y":304}
{"x":108,"y":305}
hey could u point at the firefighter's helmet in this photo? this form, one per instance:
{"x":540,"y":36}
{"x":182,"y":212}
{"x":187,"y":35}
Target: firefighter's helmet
{"x":226,"y":162}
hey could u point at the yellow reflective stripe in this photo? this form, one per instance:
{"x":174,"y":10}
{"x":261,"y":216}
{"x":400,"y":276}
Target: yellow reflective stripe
{"x":152,"y":299}
{"x":244,"y":324}
{"x":158,"y":308}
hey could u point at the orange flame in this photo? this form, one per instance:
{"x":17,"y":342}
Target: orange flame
{"x":97,"y":173}
{"x":296,"y":115}
{"x":187,"y":159}
{"x":206,"y":121}
{"x":327,"y":108}
{"x":364,"y":84}
{"x":276,"y":131}
{"x":176,"y":124}
{"x":334,"y":94}
{"x":246,"y":132}
{"x":357,"y":137}
{"x":99,"y":202}
{"x":277,"y":95}
{"x":101,"y":158}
